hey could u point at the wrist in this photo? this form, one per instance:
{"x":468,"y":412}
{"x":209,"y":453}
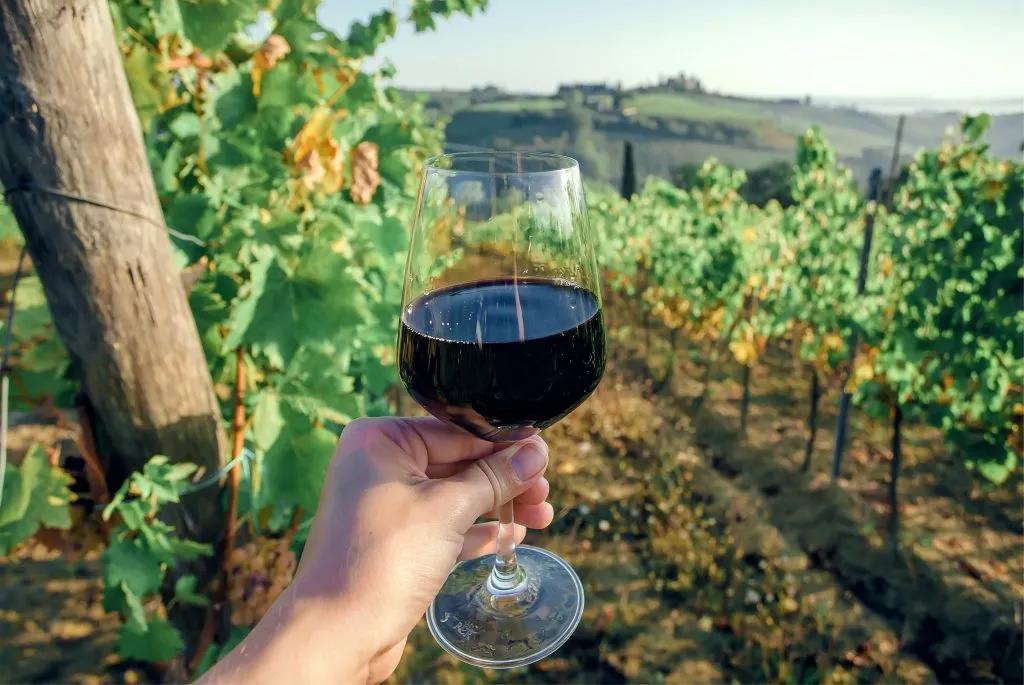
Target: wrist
{"x":299,"y":640}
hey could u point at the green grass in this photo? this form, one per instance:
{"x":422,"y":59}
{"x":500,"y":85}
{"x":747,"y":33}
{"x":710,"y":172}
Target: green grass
{"x":518,"y":105}
{"x":695,"y":107}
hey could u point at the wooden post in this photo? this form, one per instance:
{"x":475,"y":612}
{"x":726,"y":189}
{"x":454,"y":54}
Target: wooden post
{"x":894,"y":474}
{"x":890,"y":186}
{"x":812,"y":421}
{"x":68,"y":127}
{"x":842,"y":420}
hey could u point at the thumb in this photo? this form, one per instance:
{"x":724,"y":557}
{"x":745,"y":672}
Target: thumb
{"x":487,"y":483}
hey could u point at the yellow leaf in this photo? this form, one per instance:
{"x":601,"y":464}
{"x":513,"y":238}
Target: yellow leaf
{"x":335,"y":167}
{"x":342,"y":247}
{"x":317,"y":158}
{"x":749,"y":235}
{"x":832,"y":341}
{"x":316,"y":129}
{"x":864,"y":371}
{"x":993,"y":190}
{"x":385,"y":354}
{"x":744,"y":351}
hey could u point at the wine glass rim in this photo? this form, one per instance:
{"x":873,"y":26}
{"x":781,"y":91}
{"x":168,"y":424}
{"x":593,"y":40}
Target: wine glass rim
{"x":556,"y":163}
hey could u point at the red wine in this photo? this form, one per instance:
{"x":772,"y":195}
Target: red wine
{"x":503,"y":359}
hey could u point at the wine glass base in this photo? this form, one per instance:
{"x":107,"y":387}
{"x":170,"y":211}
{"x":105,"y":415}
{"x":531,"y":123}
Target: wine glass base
{"x":492,"y":629}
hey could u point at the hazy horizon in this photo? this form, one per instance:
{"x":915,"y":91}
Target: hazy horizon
{"x":870,"y":50}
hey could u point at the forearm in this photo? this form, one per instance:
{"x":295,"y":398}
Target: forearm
{"x":278,"y":648}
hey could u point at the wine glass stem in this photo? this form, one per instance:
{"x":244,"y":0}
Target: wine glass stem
{"x":506,"y":575}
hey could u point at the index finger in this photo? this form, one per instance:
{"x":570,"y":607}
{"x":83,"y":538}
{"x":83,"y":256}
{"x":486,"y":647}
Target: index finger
{"x":431,"y":441}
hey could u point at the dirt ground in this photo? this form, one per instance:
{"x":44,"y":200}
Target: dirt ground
{"x":707,"y":555}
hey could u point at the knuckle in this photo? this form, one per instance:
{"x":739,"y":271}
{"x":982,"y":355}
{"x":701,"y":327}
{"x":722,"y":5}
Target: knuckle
{"x":498,"y":487}
{"x":359,"y":426}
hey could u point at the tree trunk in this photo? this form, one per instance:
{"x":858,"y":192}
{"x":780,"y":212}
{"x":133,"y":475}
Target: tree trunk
{"x":812,"y":420}
{"x":745,"y":402}
{"x":894,"y":474}
{"x":68,"y":126}
{"x":629,"y":184}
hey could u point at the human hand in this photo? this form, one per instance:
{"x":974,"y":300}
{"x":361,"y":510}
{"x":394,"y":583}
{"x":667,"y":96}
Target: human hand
{"x":396,"y":513}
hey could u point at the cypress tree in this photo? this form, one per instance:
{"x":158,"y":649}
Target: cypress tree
{"x":628,"y":173}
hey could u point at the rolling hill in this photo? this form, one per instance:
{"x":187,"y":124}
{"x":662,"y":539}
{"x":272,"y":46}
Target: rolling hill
{"x":669,"y":128}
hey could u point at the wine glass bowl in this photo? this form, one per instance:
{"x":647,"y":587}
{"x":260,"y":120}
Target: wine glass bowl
{"x":502,"y":334}
{"x":503,"y":358}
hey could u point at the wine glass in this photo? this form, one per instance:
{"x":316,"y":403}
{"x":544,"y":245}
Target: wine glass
{"x":502,"y":334}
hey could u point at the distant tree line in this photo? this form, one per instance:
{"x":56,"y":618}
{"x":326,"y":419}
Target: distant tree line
{"x":772,"y":182}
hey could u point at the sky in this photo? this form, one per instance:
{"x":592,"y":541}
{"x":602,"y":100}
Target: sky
{"x":948,"y":50}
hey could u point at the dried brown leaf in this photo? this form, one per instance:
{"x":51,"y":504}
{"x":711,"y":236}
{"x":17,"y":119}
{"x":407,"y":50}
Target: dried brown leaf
{"x":365,"y":177}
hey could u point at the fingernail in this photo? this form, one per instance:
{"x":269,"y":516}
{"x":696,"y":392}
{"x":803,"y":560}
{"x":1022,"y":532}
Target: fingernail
{"x":527,"y":462}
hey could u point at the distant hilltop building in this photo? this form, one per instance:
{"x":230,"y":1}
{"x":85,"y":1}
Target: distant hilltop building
{"x":683,"y":83}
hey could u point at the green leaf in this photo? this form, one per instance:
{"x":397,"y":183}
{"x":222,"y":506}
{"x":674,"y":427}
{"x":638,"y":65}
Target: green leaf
{"x":133,"y":603}
{"x":185,"y":591}
{"x":364,"y":39}
{"x":167,"y":17}
{"x":131,"y":562}
{"x":974,"y":127}
{"x":318,"y":303}
{"x":266,"y":420}
{"x":379,"y":377}
{"x":285,"y":86}
{"x":235,"y":153}
{"x":249,"y":299}
{"x":47,"y":355}
{"x":299,"y":30}
{"x":234,"y":101}
{"x":133,"y":515}
{"x":210,"y":24}
{"x":192,"y":215}
{"x":422,"y":18}
{"x":186,"y":550}
{"x":295,"y":466}
{"x":156,"y":641}
{"x":32,"y":318}
{"x":185,"y":125}
{"x":166,"y":168}
{"x":179,"y":472}
{"x":424,"y":11}
{"x":997,"y":472}
{"x":210,"y":311}
{"x":318,"y":385}
{"x":144,"y":82}
{"x":34,"y":494}
{"x":388,"y":237}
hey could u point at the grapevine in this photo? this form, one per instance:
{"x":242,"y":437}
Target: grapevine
{"x":939,"y":323}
